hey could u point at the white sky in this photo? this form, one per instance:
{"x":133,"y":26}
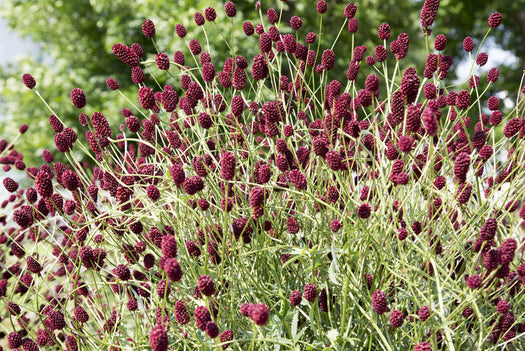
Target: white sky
{"x":12,"y":47}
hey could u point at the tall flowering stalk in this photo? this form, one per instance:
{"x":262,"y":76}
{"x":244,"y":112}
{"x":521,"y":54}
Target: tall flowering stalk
{"x":390,"y":201}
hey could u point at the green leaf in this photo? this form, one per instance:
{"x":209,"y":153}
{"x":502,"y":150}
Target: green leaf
{"x":295,"y":322}
{"x":333,"y":271}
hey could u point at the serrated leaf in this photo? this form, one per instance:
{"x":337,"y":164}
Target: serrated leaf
{"x":333,"y":271}
{"x":295,"y":323}
{"x":302,"y":332}
{"x":332,"y":274}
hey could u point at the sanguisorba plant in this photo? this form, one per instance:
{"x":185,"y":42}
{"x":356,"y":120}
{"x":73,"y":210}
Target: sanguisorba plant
{"x":252,"y":204}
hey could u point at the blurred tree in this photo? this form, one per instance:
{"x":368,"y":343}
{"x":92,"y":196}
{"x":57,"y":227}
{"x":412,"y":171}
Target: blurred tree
{"x":77,"y":37}
{"x":469,"y":18}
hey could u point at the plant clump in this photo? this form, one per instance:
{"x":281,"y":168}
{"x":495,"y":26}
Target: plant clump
{"x":391,"y":200}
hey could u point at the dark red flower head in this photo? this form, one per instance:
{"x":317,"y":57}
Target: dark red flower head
{"x":195,"y":47}
{"x":146,"y":98}
{"x":423,"y":313}
{"x":495,"y":118}
{"x":172,"y":269}
{"x":474,"y":281}
{"x":410,"y":85}
{"x":384,"y":31}
{"x":296,"y":22}
{"x":295,"y":297}
{"x":379,"y":303}
{"x":364,"y":211}
{"x":272,"y":15}
{"x":247,"y":28}
{"x":14,"y":340}
{"x":56,"y":124}
{"x":225,"y":336}
{"x":180,"y":30}
{"x":353,"y":25}
{"x":228,"y":166}
{"x":158,"y":338}
{"x":259,"y":68}
{"x":181,"y":312}
{"x":265,"y":42}
{"x":328,"y":59}
{"x":405,"y":143}
{"x":32,"y":265}
{"x":202,"y":317}
{"x":125,"y":54}
{"x":198,"y":18}
{"x":298,"y":179}
{"x":122,"y":272}
{"x":380,"y":53}
{"x":292,"y":225}
{"x":230,"y":9}
{"x":78,"y":98}
{"x":463,"y":100}
{"x":80,"y":314}
{"x":482,"y":58}
{"x":290,"y":45}
{"x":396,"y":318}
{"x":310,"y":292}
{"x":461,"y":166}
{"x":56,"y":319}
{"x":493,"y":75}
{"x":210,"y":14}
{"x":148,"y":28}
{"x":503,"y":307}
{"x":507,"y":250}
{"x":310,"y":38}
{"x":162,"y":60}
{"x":137,"y":49}
{"x":28,"y":80}
{"x":206,"y":285}
{"x":44,"y":184}
{"x":169,"y":98}
{"x":13,"y":308}
{"x":440,"y":42}
{"x":24,"y":216}
{"x":350,"y":10}
{"x":169,"y":246}
{"x":321,"y":6}
{"x":423,"y":346}
{"x":212,"y":329}
{"x":468,"y":44}
{"x":495,"y":19}
{"x":112,"y":83}
{"x":259,"y":314}
{"x":10,"y":184}
{"x":428,"y":14}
